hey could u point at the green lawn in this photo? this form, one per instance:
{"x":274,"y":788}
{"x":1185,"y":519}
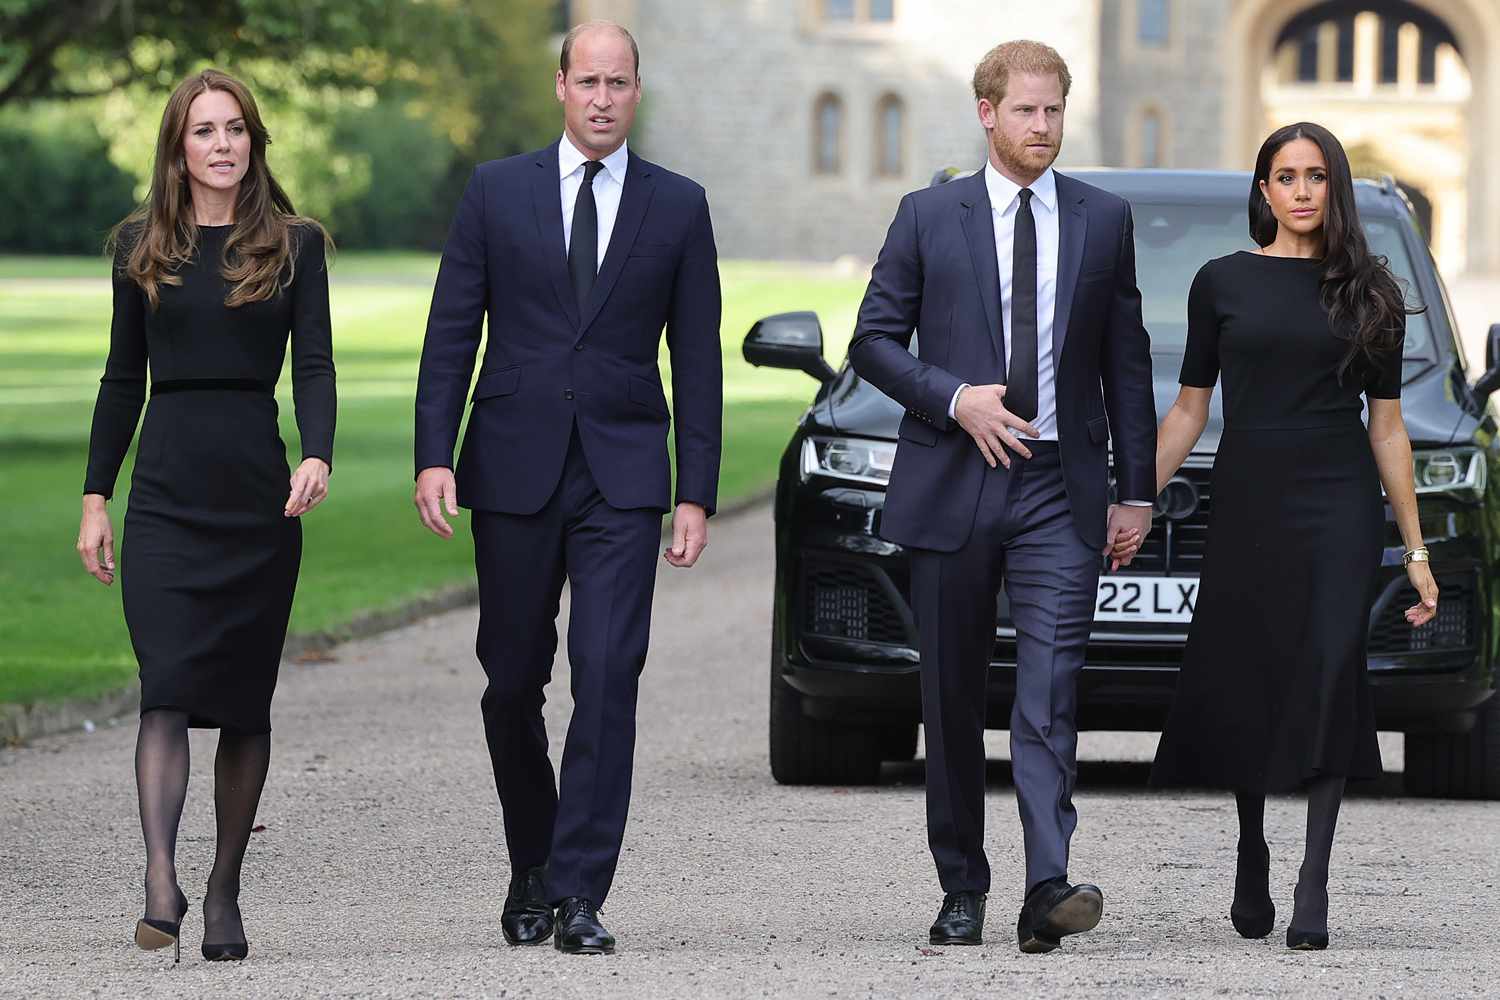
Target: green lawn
{"x":61,"y":633}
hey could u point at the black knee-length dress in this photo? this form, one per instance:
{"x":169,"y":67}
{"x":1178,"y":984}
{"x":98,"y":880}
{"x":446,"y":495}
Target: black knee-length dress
{"x":1273,"y":690}
{"x":208,"y":562}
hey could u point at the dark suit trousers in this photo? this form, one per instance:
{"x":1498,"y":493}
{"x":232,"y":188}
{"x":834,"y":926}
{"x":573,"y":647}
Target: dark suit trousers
{"x":1023,"y":539}
{"x":609,"y":558}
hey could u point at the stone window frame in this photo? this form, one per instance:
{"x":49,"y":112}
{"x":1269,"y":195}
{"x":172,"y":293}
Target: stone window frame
{"x":1135,"y":136}
{"x":1133,"y":50}
{"x":823,"y":99}
{"x":860,"y":27}
{"x":883,"y":103}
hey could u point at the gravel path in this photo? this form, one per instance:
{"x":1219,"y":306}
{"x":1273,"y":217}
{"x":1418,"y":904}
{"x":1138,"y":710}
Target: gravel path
{"x":380,"y":871}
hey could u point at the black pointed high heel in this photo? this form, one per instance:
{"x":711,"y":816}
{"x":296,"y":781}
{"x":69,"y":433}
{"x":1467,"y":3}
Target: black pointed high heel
{"x":234,"y":951}
{"x":1254,"y":917}
{"x":152,"y":934}
{"x":225,"y":951}
{"x":1298,"y":940}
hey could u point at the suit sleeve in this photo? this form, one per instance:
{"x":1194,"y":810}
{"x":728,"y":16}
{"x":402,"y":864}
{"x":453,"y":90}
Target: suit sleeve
{"x":1125,"y":371}
{"x":881,"y":349}
{"x":454,"y":325}
{"x":122,"y":390}
{"x":697,"y":365}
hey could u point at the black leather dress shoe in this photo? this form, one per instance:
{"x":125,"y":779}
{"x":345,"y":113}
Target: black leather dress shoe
{"x":960,"y":921}
{"x":527,"y":917}
{"x":579,"y":931}
{"x":1055,"y":909}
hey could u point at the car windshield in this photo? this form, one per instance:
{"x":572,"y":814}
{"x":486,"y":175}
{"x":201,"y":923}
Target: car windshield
{"x":1173,"y":241}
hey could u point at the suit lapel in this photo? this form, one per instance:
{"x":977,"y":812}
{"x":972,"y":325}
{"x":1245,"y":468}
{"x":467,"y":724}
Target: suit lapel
{"x":546,"y":197}
{"x":979,"y":229}
{"x":634,"y":200}
{"x":1072,"y":229}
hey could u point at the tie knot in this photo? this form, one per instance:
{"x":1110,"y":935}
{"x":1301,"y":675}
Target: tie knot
{"x":1025,"y":197}
{"x":591,"y":170}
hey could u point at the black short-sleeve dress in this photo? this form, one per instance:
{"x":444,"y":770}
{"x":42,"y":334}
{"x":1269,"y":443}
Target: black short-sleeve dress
{"x":1273,"y":690}
{"x":208,"y":563}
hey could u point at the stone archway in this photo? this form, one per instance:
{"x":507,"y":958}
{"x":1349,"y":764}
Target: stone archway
{"x":1250,"y":36}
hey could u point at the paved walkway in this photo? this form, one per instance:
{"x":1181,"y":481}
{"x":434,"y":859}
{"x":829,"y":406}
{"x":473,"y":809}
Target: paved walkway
{"x":380,"y":871}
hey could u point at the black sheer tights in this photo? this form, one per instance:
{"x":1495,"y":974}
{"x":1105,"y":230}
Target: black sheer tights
{"x":1252,"y":889}
{"x":161,"y":768}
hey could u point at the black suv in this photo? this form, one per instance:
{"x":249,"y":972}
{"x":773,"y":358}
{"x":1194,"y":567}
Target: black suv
{"x":844,"y":691}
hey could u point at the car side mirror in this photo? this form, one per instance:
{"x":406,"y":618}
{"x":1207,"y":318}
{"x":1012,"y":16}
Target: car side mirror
{"x":1490,"y":380}
{"x":791,"y":340}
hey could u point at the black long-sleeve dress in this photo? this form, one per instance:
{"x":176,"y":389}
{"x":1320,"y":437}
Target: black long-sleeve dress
{"x":208,"y":562}
{"x":1273,"y":690}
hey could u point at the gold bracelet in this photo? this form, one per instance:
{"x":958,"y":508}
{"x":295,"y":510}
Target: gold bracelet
{"x":1418,"y":554}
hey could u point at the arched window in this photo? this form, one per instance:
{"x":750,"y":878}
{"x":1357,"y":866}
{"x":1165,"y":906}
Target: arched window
{"x":1152,"y":143}
{"x":828,"y":134}
{"x":890,"y":137}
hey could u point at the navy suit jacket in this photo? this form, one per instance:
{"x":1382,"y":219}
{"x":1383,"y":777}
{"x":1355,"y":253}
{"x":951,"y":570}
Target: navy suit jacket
{"x":938,"y":273}
{"x":547,"y":363}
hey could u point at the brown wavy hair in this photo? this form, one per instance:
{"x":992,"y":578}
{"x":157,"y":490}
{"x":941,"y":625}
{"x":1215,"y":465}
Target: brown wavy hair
{"x":161,"y":235}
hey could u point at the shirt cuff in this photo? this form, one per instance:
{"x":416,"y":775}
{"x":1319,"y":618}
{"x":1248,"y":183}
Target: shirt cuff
{"x":1136,"y":503}
{"x":953,"y":403}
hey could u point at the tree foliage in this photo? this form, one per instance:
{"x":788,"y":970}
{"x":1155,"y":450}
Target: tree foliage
{"x":378,"y":108}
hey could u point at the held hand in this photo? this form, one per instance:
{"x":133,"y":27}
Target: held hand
{"x":436,"y":489}
{"x":981,"y":411}
{"x":96,"y":540}
{"x":309,"y":487}
{"x":1425,"y":610}
{"x":1125,"y":533}
{"x":689,"y":535}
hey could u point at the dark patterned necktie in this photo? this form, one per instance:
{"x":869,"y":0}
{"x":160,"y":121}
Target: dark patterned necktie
{"x":583,"y":248}
{"x":1021,"y":390}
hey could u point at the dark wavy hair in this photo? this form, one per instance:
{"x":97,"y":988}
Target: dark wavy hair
{"x":1365,"y":303}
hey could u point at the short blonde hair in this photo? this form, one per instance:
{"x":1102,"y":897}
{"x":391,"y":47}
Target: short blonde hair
{"x":993,"y":72}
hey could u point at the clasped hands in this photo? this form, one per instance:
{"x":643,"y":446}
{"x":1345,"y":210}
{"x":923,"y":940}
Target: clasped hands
{"x":437,"y":494}
{"x":980,"y":410}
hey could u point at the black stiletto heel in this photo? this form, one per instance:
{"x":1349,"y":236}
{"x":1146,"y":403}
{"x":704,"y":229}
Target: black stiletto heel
{"x":226,"y":951}
{"x":152,"y":934}
{"x":1253,"y":913}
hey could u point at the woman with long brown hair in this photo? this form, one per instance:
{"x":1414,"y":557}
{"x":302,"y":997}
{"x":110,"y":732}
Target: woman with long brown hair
{"x":1273,"y":694}
{"x":213,"y":275}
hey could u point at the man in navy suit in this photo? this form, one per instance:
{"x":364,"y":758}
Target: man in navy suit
{"x":579,"y":254}
{"x":1031,"y":356}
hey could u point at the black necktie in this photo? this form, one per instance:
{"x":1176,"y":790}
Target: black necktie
{"x":1021,"y":391}
{"x":583,"y":248}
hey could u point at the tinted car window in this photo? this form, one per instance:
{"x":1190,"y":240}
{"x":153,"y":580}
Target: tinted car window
{"x":1173,"y":241}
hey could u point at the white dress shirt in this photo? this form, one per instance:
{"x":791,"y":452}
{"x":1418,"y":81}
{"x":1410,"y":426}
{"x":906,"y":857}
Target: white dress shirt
{"x":1005,"y":201}
{"x":609,"y":183}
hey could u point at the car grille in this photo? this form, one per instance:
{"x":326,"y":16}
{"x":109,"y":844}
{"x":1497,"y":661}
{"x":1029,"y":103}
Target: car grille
{"x":1177,"y":546}
{"x":849,"y":601}
{"x":1453,"y":628}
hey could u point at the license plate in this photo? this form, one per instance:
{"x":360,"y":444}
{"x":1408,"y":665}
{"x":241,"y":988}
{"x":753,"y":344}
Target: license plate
{"x":1146,"y":599}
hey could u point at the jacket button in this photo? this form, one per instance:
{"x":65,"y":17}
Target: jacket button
{"x":567,"y":394}
{"x":577,"y":347}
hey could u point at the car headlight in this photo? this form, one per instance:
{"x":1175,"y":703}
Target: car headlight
{"x":1459,"y":472}
{"x":853,"y":459}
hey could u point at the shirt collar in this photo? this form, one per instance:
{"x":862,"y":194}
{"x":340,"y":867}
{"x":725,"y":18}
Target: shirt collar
{"x":1003,"y":190}
{"x":570,"y":158}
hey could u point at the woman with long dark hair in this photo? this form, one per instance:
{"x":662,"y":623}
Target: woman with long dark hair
{"x":213,"y":275}
{"x":1273,"y":695}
